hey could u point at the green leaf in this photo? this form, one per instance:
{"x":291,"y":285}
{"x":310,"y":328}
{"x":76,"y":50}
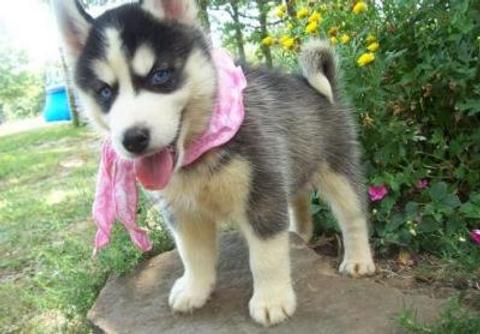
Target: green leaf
{"x":452,"y":201}
{"x":395,"y":222}
{"x":428,"y":225}
{"x":404,"y":237}
{"x":411,"y":210}
{"x":470,"y":210}
{"x":438,"y":192}
{"x":470,"y":106}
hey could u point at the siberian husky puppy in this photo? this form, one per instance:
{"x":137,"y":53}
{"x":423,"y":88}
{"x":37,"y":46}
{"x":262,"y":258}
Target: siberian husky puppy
{"x":146,"y":77}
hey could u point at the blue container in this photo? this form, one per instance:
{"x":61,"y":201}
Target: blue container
{"x":56,"y":105}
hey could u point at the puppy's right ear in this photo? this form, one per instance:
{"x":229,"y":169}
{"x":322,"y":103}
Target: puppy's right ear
{"x":74,"y":23}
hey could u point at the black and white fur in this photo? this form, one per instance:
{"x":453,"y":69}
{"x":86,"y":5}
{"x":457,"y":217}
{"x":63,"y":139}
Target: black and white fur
{"x":297,"y":137}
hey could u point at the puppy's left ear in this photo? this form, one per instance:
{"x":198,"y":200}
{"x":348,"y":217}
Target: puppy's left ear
{"x":183,"y":11}
{"x":74,"y":23}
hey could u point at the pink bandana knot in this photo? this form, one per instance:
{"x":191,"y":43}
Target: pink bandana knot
{"x":117,"y":194}
{"x":228,"y":113}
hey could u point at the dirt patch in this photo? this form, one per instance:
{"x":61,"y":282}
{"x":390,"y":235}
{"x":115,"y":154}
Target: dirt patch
{"x":73,"y":163}
{"x":12,"y":274}
{"x":49,"y":322}
{"x":24,"y":125}
{"x":80,"y":227}
{"x":404,"y":273}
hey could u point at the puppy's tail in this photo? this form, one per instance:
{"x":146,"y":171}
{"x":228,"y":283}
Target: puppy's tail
{"x":319,"y":65}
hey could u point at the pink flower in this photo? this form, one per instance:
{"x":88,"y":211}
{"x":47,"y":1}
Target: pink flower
{"x":377,"y":193}
{"x":422,"y":184}
{"x":475,"y":234}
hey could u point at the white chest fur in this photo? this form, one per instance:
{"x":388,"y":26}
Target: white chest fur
{"x":218,"y":194}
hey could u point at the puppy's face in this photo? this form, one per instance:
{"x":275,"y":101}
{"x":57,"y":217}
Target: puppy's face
{"x":138,"y":69}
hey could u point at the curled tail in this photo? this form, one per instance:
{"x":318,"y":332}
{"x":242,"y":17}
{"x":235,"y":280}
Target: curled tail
{"x":318,"y":62}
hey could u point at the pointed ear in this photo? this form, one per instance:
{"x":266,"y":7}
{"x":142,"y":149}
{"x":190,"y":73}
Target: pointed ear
{"x":74,"y":23}
{"x":184,"y":11}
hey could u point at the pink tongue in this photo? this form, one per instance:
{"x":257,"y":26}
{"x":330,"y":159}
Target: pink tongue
{"x":154,"y":172}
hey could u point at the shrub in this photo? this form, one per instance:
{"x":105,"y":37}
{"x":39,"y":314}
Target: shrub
{"x":21,"y":90}
{"x":412,"y":71}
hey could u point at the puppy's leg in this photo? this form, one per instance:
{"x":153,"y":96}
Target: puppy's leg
{"x":196,"y":242}
{"x":301,"y":222}
{"x":345,"y":199}
{"x":267,"y":236}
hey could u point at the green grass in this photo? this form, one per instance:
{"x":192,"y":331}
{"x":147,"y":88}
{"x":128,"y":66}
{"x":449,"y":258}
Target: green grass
{"x":47,"y":275}
{"x":48,"y":279}
{"x":455,"y":319}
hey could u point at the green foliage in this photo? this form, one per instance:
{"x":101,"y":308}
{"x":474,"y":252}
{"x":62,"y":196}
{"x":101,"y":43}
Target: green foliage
{"x":21,"y":90}
{"x":418,"y":103}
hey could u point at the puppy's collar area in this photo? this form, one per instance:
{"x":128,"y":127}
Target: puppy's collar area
{"x":228,"y":113}
{"x":116,"y":195}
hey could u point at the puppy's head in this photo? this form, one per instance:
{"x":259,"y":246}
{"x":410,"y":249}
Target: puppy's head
{"x":143,"y":72}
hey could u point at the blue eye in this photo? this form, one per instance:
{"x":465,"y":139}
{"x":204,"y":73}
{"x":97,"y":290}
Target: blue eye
{"x":160,"y":77}
{"x":105,"y":94}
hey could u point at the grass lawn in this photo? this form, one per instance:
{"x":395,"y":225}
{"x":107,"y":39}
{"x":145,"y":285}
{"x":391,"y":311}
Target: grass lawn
{"x":47,"y":275}
{"x":48,"y":279}
{"x":455,"y":319}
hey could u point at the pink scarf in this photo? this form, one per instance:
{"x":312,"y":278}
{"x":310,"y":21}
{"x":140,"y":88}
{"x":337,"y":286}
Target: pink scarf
{"x":116,"y":195}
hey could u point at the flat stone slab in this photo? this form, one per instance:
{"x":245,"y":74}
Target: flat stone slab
{"x":327,"y":302}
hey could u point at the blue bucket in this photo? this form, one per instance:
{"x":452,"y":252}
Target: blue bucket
{"x":56,"y":105}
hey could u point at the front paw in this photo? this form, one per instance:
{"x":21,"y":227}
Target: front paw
{"x":270,"y":307}
{"x":357,"y":267}
{"x":187,"y":294}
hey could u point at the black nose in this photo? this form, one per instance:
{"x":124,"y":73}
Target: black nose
{"x":136,"y":140}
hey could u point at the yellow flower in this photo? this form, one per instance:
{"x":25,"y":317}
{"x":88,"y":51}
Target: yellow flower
{"x":268,"y":41}
{"x":360,"y":7}
{"x":368,"y":122}
{"x":315,"y":17}
{"x":344,"y":38}
{"x":333,"y":40}
{"x":290,"y":26}
{"x":287,"y":42}
{"x":371,"y":38}
{"x":373,"y":47}
{"x":333,"y":31}
{"x":365,"y":59}
{"x":302,"y":13}
{"x":281,"y":11}
{"x":311,"y":27}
